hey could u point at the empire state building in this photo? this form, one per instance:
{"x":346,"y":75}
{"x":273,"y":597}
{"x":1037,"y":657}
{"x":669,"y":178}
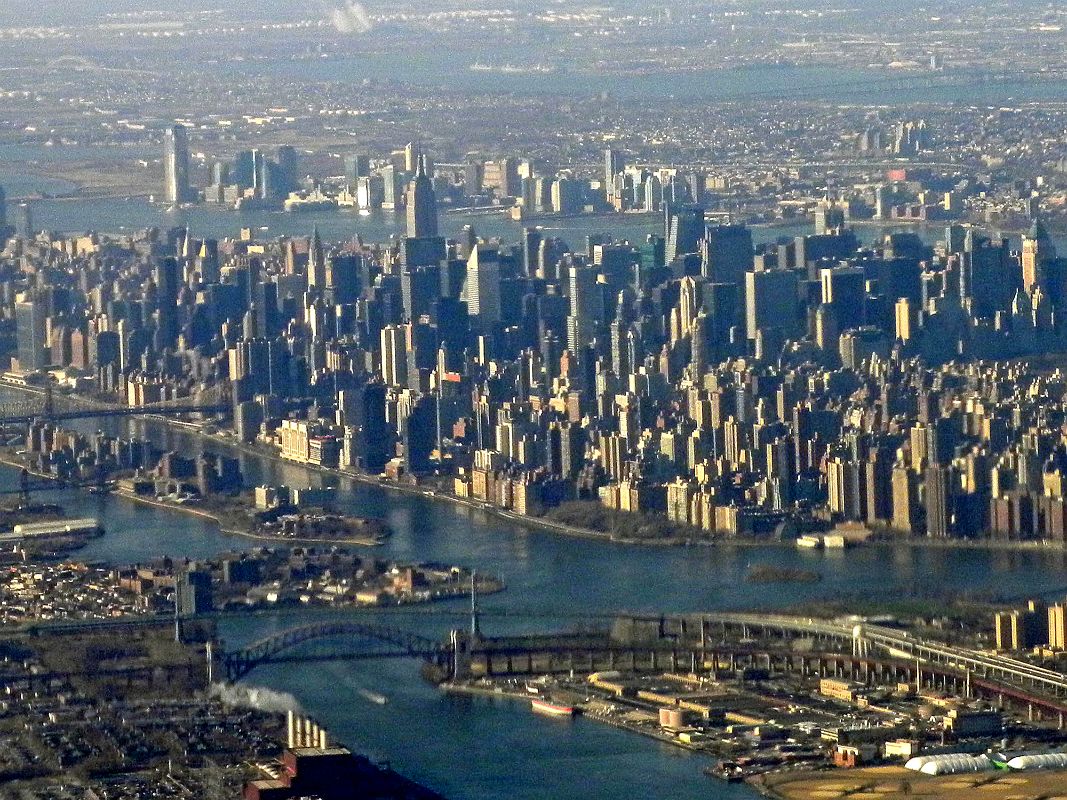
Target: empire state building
{"x":422,"y":204}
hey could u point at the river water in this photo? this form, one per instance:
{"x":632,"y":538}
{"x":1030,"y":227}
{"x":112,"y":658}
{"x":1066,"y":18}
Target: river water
{"x":485,"y":748}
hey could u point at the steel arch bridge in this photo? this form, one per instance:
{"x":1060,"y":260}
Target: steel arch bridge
{"x":333,"y":641}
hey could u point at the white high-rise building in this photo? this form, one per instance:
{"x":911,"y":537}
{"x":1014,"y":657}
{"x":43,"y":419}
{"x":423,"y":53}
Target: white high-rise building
{"x":481,"y":289}
{"x":176,"y":165}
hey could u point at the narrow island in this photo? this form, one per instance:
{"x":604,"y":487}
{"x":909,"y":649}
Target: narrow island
{"x":264,"y":578}
{"x":209,"y":486}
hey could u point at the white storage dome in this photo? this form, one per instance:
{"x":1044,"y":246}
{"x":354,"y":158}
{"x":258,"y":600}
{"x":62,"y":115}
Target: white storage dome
{"x":955,"y":764}
{"x":1039,"y":761}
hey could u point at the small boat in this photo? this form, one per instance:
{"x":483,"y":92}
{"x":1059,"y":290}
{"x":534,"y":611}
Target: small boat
{"x":374,"y":697}
{"x":542,"y":706}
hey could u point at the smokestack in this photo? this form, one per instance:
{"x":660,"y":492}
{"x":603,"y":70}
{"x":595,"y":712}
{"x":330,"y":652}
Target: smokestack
{"x":322,"y":739}
{"x":291,"y":727}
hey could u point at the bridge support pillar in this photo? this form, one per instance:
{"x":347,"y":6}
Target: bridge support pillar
{"x":461,"y":655}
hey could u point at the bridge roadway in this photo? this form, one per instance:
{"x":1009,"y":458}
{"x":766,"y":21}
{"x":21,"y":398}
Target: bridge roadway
{"x":863,"y":636}
{"x":903,"y":644}
{"x":120,"y":411}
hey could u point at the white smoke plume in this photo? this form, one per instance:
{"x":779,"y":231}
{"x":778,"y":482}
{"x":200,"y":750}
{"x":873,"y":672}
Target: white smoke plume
{"x":351,"y":18}
{"x":255,"y":697}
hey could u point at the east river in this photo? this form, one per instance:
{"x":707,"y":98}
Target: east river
{"x":484,"y":748}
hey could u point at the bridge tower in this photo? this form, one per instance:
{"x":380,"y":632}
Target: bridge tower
{"x":460,"y":644}
{"x":24,"y":488}
{"x":49,"y":402}
{"x":476,"y":628}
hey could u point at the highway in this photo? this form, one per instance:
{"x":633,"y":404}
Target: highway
{"x":900,"y":643}
{"x":862,"y":635}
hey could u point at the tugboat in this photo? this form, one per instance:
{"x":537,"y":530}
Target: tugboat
{"x":541,"y":706}
{"x":726,"y":771}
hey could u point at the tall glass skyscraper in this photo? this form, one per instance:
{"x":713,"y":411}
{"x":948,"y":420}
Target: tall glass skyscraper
{"x":30,"y":333}
{"x":176,"y":165}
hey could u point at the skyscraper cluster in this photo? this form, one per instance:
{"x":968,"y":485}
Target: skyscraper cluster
{"x":729,"y":388}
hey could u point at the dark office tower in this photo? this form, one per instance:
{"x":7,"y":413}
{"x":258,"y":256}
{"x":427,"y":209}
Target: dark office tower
{"x":288,"y":169}
{"x":877,"y":483}
{"x":104,"y":349}
{"x":366,"y":415}
{"x":941,"y":438}
{"x":421,"y":344}
{"x":955,"y":237}
{"x":176,"y":166}
{"x":586,"y":306}
{"x":280,"y":366}
{"x":809,"y":251}
{"x":727,"y":253}
{"x":265,"y":305}
{"x":700,"y":344}
{"x":724,"y":306}
{"x":357,"y":166}
{"x":531,"y":247}
{"x":453,"y":324}
{"x":683,"y":228}
{"x":771,"y":301}
{"x":844,"y":293}
{"x":987,"y":275}
{"x":244,"y":169}
{"x":420,"y":435}
{"x":422,"y":204}
{"x":166,"y":279}
{"x":938,"y":501}
{"x":24,"y":221}
{"x":614,"y":163}
{"x":420,"y":287}
{"x":30,"y":333}
{"x":618,"y":333}
{"x":343,"y":277}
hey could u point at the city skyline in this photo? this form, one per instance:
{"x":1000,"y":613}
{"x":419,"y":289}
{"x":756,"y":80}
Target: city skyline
{"x":385,"y":386}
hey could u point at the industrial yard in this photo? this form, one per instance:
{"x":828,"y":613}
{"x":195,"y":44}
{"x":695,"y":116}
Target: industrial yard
{"x":873,"y":783}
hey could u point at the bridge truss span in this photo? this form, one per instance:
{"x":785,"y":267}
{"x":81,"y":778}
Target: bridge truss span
{"x":333,"y":641}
